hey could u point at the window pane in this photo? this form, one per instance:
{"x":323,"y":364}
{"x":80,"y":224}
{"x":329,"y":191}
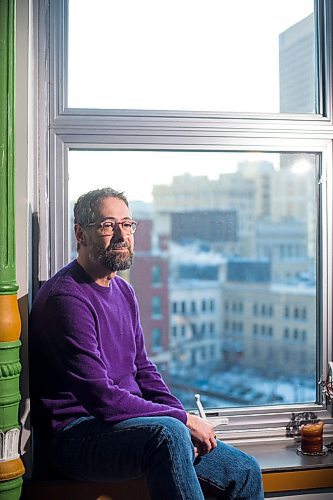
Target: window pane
{"x":156,"y":339}
{"x":220,"y":55}
{"x":156,"y":276}
{"x":234,"y":238}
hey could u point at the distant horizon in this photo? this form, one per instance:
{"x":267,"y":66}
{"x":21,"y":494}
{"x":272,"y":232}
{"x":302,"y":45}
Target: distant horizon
{"x":157,"y":168}
{"x":137,"y":172}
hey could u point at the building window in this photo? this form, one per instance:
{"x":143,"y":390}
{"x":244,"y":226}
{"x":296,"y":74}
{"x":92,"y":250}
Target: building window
{"x":156,"y":306}
{"x":156,"y":276}
{"x":278,"y":73}
{"x":225,"y":214}
{"x":156,"y":337}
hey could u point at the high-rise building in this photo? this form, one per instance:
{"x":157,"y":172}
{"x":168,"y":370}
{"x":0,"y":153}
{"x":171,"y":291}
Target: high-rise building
{"x":297,"y":68}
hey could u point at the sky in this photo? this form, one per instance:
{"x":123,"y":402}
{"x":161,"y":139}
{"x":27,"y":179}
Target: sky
{"x":207,"y":55}
{"x":212,"y":55}
{"x":135,"y":172}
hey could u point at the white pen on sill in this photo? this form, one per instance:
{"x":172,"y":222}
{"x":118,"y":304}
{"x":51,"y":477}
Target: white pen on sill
{"x":199,"y":406}
{"x":202,"y":413}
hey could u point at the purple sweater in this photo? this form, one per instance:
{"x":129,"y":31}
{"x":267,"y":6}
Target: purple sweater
{"x":87,"y":355}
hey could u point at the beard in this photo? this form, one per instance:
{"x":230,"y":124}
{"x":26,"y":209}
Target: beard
{"x":110,"y":260}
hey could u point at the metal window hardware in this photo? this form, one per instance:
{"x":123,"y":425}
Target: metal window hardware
{"x":293,"y":428}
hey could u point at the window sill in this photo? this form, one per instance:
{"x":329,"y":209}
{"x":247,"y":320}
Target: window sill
{"x":282,"y":457}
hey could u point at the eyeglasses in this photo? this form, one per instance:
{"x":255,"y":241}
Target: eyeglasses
{"x":107,"y":228}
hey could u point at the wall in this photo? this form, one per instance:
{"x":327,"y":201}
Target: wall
{"x":25,"y":186}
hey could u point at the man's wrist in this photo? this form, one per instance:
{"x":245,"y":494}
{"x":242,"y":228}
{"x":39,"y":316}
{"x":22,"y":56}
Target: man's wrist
{"x":189,"y":421}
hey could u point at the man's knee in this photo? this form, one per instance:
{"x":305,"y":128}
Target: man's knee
{"x":254,"y":473}
{"x":254,"y":467}
{"x":174,"y":428}
{"x":175,"y":433}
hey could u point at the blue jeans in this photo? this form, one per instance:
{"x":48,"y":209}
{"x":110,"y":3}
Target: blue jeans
{"x":158,"y":449}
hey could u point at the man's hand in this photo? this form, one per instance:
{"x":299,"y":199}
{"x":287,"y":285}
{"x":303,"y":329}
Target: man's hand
{"x":202,"y":433}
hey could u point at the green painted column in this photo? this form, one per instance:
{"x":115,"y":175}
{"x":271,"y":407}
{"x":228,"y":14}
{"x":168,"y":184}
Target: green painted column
{"x":11,"y":466}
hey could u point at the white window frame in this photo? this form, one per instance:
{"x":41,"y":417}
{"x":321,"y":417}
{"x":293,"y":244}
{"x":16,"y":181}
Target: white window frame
{"x":61,"y":128}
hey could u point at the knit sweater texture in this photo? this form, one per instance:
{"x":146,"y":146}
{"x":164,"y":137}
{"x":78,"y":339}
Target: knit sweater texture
{"x":87,"y":355}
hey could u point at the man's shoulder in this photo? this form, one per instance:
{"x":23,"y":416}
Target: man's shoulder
{"x":66,"y":281}
{"x":123,"y":285}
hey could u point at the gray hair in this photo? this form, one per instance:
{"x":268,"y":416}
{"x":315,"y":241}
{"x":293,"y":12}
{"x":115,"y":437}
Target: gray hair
{"x":86,"y":205}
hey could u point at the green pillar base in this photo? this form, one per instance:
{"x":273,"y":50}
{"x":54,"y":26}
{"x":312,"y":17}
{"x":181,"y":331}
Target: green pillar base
{"x":11,"y":490}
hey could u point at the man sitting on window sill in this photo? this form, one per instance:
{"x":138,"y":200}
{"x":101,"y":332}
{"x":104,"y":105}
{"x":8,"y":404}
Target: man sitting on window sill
{"x":99,"y":406}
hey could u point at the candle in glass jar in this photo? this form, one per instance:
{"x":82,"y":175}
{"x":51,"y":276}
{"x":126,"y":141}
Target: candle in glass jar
{"x":312,"y":437}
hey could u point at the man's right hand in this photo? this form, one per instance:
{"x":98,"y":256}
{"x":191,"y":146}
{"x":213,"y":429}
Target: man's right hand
{"x":202,"y":432}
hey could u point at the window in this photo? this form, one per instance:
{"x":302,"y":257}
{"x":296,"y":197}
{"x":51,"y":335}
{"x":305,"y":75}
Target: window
{"x":304,"y":313}
{"x":225,"y":190}
{"x":156,"y":276}
{"x":273,"y":54}
{"x":156,"y":340}
{"x":156,"y":306}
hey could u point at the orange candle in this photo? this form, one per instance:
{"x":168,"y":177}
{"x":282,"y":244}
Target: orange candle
{"x":312,"y":437}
